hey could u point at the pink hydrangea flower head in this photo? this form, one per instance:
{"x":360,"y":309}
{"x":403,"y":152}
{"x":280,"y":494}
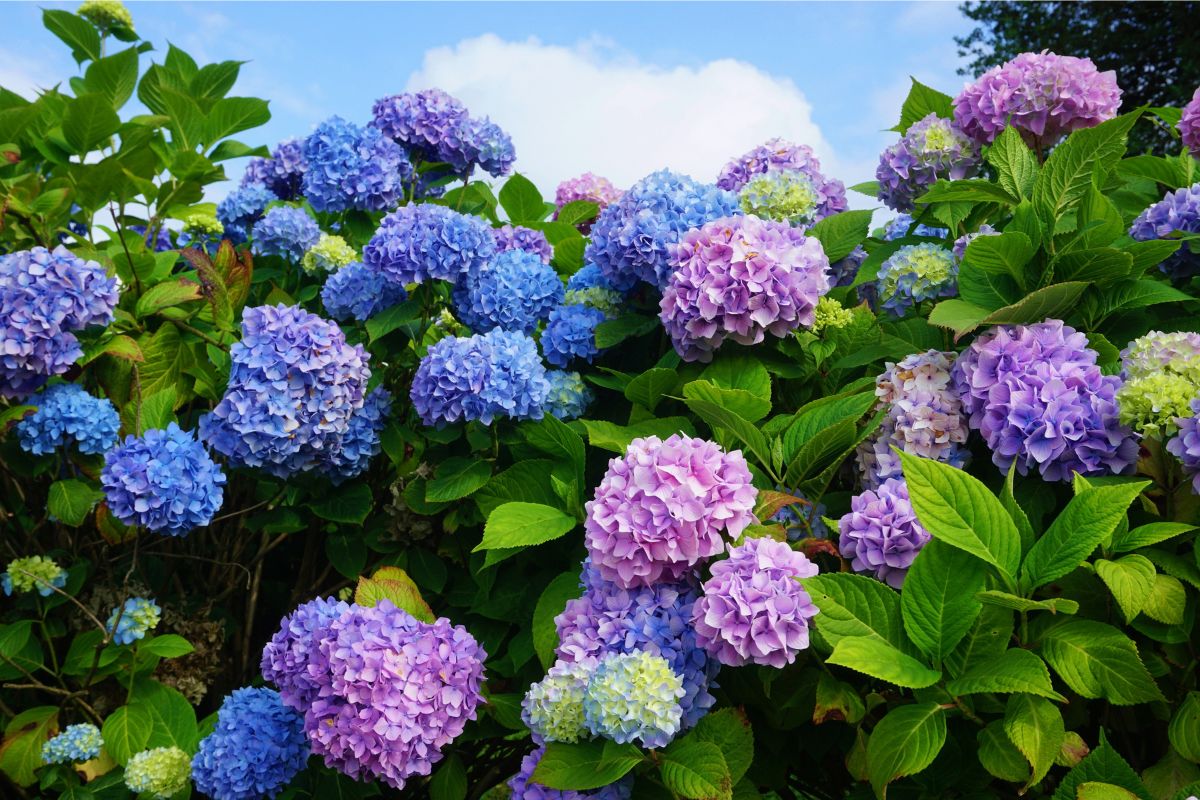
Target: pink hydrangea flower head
{"x":1189,"y":125}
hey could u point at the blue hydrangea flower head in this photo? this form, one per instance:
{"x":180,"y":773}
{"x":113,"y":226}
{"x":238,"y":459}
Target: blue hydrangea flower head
{"x":352,"y":452}
{"x":163,"y":481}
{"x":256,"y":748}
{"x":553,"y":707}
{"x":569,"y":397}
{"x":589,"y":276}
{"x":328,"y":254}
{"x":571,"y":333}
{"x":427,"y":122}
{"x":75,"y":744}
{"x":914,"y":273}
{"x":420,"y":242}
{"x":1178,"y":212}
{"x":66,"y":414}
{"x":286,"y":232}
{"x":491,"y":148}
{"x":589,"y":287}
{"x":132,"y":621}
{"x":634,"y":696}
{"x":282,"y":173}
{"x":352,"y":167}
{"x":898,"y":228}
{"x":243,"y":207}
{"x":358,"y":292}
{"x":515,"y":291}
{"x":160,"y":773}
{"x":33,"y":572}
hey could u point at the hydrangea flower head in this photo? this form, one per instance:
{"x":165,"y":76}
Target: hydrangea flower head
{"x":518,"y":237}
{"x":33,"y":572}
{"x":524,"y":788}
{"x":1036,"y":395}
{"x":1161,"y":373}
{"x":66,"y":414}
{"x":243,"y":207}
{"x":352,"y":167}
{"x":786,"y":196}
{"x":75,"y":744}
{"x":436,"y":127}
{"x":843,"y":271}
{"x":489,"y":148}
{"x":631,"y":238}
{"x":106,"y":14}
{"x":780,"y":155}
{"x":754,"y":609}
{"x":358,"y":292}
{"x":420,"y":242}
{"x":286,"y":232}
{"x":1178,"y":212}
{"x":553,"y":707}
{"x":568,"y":397}
{"x":287,"y":658}
{"x":914,"y":273}
{"x":282,"y":173}
{"x":1185,"y":445}
{"x":962,"y":242}
{"x":741,"y":278}
{"x":201,"y":230}
{"x":163,"y":481}
{"x":829,"y":313}
{"x":1043,"y":95}
{"x":514,"y":291}
{"x":160,"y":773}
{"x":256,"y":748}
{"x":665,"y":506}
{"x":932,"y":149}
{"x":899,"y":227}
{"x":133,"y":620}
{"x":881,"y":535}
{"x":328,"y":254}
{"x":1189,"y":125}
{"x":571,"y":333}
{"x":802,"y":520}
{"x":634,"y":697}
{"x":352,"y":452}
{"x":589,"y":188}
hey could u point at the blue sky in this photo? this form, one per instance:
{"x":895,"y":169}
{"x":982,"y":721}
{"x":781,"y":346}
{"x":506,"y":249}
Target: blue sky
{"x":618,"y":88}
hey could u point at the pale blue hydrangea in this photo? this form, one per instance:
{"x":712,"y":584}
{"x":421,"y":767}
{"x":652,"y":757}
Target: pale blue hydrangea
{"x":571,"y":334}
{"x":353,"y":168}
{"x":634,"y":697}
{"x":286,"y":232}
{"x":515,"y":291}
{"x":553,"y":707}
{"x":915,"y":273}
{"x":66,"y":414}
{"x":241,"y":208}
{"x":75,"y":744}
{"x":358,"y":292}
{"x":416,"y":243}
{"x":900,"y":227}
{"x":160,"y":773}
{"x":132,"y":621}
{"x":569,"y":397}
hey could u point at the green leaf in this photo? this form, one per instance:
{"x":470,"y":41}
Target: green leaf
{"x":1166,"y":601}
{"x":167,"y":295}
{"x":14,"y":636}
{"x":855,"y":606}
{"x":521,"y":200}
{"x":585,"y":765}
{"x":649,"y":388}
{"x":957,"y":315}
{"x":612,"y":332}
{"x":231,"y":115}
{"x":836,"y":701}
{"x":549,"y":605}
{"x":1020,"y":519}
{"x":391,"y":318}
{"x":114,"y":77}
{"x":457,"y":478}
{"x":1102,"y":764}
{"x":76,"y":32}
{"x":1016,"y":165}
{"x":904,"y":742}
{"x":729,"y":729}
{"x":1052,"y":301}
{"x":840,"y":233}
{"x":1097,"y":265}
{"x":739,"y":371}
{"x":938,"y":602}
{"x":822,"y":450}
{"x":347,"y":552}
{"x":1012,"y":602}
{"x":1141,"y":294}
{"x":158,"y":410}
{"x":705,"y":400}
{"x":920,"y":103}
{"x":967,"y":191}
{"x":695,"y":769}
{"x":745,"y":404}
{"x":986,"y":640}
{"x":172,"y":717}
{"x":21,"y":750}
{"x":1087,"y":155}
{"x":1130,"y":579}
{"x":71,"y":500}
{"x":394,"y":584}
{"x":346,"y":504}
{"x":1014,"y":670}
{"x":1146,"y":535}
{"x":1004,"y":255}
{"x":879,"y":659}
{"x":577,"y":211}
{"x":522,"y":525}
{"x":1094,"y":790}
{"x":89,"y":121}
{"x":1166,"y":171}
{"x":231,"y":148}
{"x":449,"y":782}
{"x":616,"y":438}
{"x":1035,"y":726}
{"x":213,"y":81}
{"x":998,"y":755}
{"x":1184,"y":730}
{"x":126,"y":731}
{"x":1098,"y":661}
{"x":822,"y":414}
{"x":960,"y":511}
{"x":167,"y":645}
{"x":551,"y":435}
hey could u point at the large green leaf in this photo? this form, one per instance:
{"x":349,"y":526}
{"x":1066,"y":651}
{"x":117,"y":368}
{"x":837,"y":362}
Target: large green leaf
{"x":1035,"y":726}
{"x":840,"y":233}
{"x":1098,"y":661}
{"x":231,"y":115}
{"x":648,"y":388}
{"x":21,"y":749}
{"x":75,"y":31}
{"x":1085,"y":156}
{"x":345,"y":504}
{"x":519,"y":524}
{"x":984,"y":641}
{"x":920,"y":103}
{"x":616,"y":438}
{"x":1102,"y":764}
{"x":1014,"y":670}
{"x":999,"y":756}
{"x":1016,"y":165}
{"x":856,"y":606}
{"x":729,"y":729}
{"x":457,"y":478}
{"x":904,"y":742}
{"x":90,"y":120}
{"x":71,"y":500}
{"x":521,"y":200}
{"x":1184,"y":730}
{"x":126,"y":731}
{"x":938,"y":602}
{"x":585,"y":765}
{"x":692,"y":768}
{"x":705,"y":401}
{"x":1130,"y":579}
{"x":114,"y":77}
{"x":877,"y":658}
{"x":549,"y":605}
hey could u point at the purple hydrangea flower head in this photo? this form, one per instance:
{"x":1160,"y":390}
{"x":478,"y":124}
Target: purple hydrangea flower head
{"x":802,"y":520}
{"x":664,"y":506}
{"x":1036,"y":395}
{"x":288,"y":659}
{"x":293,"y":388}
{"x":75,"y":744}
{"x":163,"y":481}
{"x":925,"y":417}
{"x":741,"y":278}
{"x":1189,"y":125}
{"x":1185,"y":445}
{"x":784,"y":156}
{"x":961,"y":243}
{"x":524,"y":788}
{"x":351,"y":454}
{"x":67,"y":414}
{"x":481,"y":377}
{"x":571,"y":333}
{"x":256,"y":748}
{"x":489,"y":147}
{"x":589,"y":188}
{"x":282,"y":173}
{"x":1178,"y":212}
{"x":1043,"y":95}
{"x":518,"y":237}
{"x":358,"y":292}
{"x":754,"y":609}
{"x":631,"y":238}
{"x":634,"y":697}
{"x":553,"y":707}
{"x":352,"y":167}
{"x":286,"y":232}
{"x":515,"y":291}
{"x":393,"y":692}
{"x":915,"y":273}
{"x":881,"y":535}
{"x":241,"y":208}
{"x":133,"y":620}
{"x":899,"y":227}
{"x":46,"y":295}
{"x":416,"y":243}
{"x":426,"y":122}
{"x":568,"y":397}
{"x":932,"y":149}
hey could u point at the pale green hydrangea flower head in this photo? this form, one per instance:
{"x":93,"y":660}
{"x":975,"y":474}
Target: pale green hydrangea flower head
{"x":781,"y":195}
{"x":1150,"y":403}
{"x":160,"y":773}
{"x":607,"y":300}
{"x":328,"y":254}
{"x":106,"y":14}
{"x":830,"y":314}
{"x":553,"y":707}
{"x":634,"y":696}
{"x":33,"y":573}
{"x":203,"y":223}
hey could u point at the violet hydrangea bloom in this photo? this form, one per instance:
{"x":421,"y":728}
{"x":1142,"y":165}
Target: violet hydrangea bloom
{"x":1189,"y":125}
{"x":1037,"y":395}
{"x":515,"y":291}
{"x":784,"y":156}
{"x":67,"y":414}
{"x":436,"y":127}
{"x":571,"y":333}
{"x":962,"y":242}
{"x":1178,"y":212}
{"x":241,"y":208}
{"x":915,"y":273}
{"x":518,"y":237}
{"x":664,"y":506}
{"x":881,"y":535}
{"x":754,"y":609}
{"x":352,"y":167}
{"x":163,"y":481}
{"x":741,"y":278}
{"x":523,"y":786}
{"x":282,"y":173}
{"x":1043,"y":95}
{"x":1185,"y":445}
{"x":351,"y":453}
{"x":287,"y":658}
{"x":416,"y":243}
{"x":358,"y":292}
{"x":932,"y":149}
{"x":286,"y":232}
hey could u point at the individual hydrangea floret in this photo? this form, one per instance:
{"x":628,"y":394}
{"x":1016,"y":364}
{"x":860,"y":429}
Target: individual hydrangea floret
{"x":30,"y":573}
{"x":66,"y":414}
{"x":803,"y":519}
{"x":1043,"y":95}
{"x":243,"y":207}
{"x":786,"y":196}
{"x":631,"y":238}
{"x":256,"y":748}
{"x":780,"y":155}
{"x":287,"y":657}
{"x":902,"y":226}
{"x":393,"y":692}
{"x":962,"y":242}
{"x":931,"y":150}
{"x":634,"y":697}
{"x":163,"y":481}
{"x":571,"y":334}
{"x":1189,"y":125}
{"x":1161,"y":373}
{"x":739,"y":279}
{"x":1037,"y":396}
{"x":514,"y":291}
{"x":1177,"y":213}
{"x":420,"y":242}
{"x":75,"y":744}
{"x":282,"y":173}
{"x":286,"y":232}
{"x":1185,"y":445}
{"x":349,"y":167}
{"x":523,"y":786}
{"x":664,"y":506}
{"x":481,"y":377}
{"x":351,"y":454}
{"x":133,"y":620}
{"x":568,"y":397}
{"x":915,"y":273}
{"x":328,"y":254}
{"x":553,"y":707}
{"x":880,"y":535}
{"x":160,"y":773}
{"x":588,"y":188}
{"x":358,"y":292}
{"x":754,"y":609}
{"x":518,"y":237}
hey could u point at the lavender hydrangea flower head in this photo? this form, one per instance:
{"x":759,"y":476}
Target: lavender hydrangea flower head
{"x":286,"y":232}
{"x":899,"y":227}
{"x":255,"y":750}
{"x":784,"y":156}
{"x":568,"y":397}
{"x":589,"y":188}
{"x":328,"y":254}
{"x":915,"y":273}
{"x":571,"y":333}
{"x":351,"y":454}
{"x":518,"y":237}
{"x":932,"y":149}
{"x":631,"y":238}
{"x":1161,"y":373}
{"x":352,"y":167}
{"x":962,"y":242}
{"x":66,"y":414}
{"x":802,"y":520}
{"x":160,"y":773}
{"x":427,"y":122}
{"x":553,"y":707}
{"x":393,"y":692}
{"x":163,"y":481}
{"x":1189,"y":125}
{"x":287,"y":658}
{"x":416,"y":243}
{"x":132,"y":621}
{"x":481,"y":377}
{"x":881,"y":535}
{"x":243,"y":207}
{"x":665,"y":506}
{"x":741,"y":278}
{"x":925,"y":417}
{"x":524,"y":788}
{"x":1036,"y":395}
{"x":1185,"y":445}
{"x":754,"y":609}
{"x":1043,"y":95}
{"x":358,"y":292}
{"x":282,"y":173}
{"x":46,"y":295}
{"x":75,"y":744}
{"x":33,"y":572}
{"x":634,"y":697}
{"x":1178,"y":212}
{"x":488,"y":147}
{"x":515,"y":291}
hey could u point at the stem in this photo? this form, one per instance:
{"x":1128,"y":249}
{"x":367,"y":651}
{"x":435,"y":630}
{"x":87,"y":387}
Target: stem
{"x":183,"y":326}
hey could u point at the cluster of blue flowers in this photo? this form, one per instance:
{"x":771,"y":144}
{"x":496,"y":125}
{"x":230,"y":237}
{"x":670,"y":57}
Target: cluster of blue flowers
{"x":433,"y":126}
{"x":515,"y":291}
{"x":416,"y":243}
{"x":569,"y":397}
{"x":133,"y":620}
{"x":571,"y":333}
{"x":285,"y":231}
{"x":518,"y":237}
{"x":358,"y":292}
{"x":900,"y":227}
{"x":65,"y":414}
{"x":243,"y":207}
{"x":589,"y":286}
{"x":915,"y":273}
{"x":282,"y":173}
{"x":351,"y":453}
{"x":75,"y":744}
{"x":353,"y":167}
{"x":1178,"y":212}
